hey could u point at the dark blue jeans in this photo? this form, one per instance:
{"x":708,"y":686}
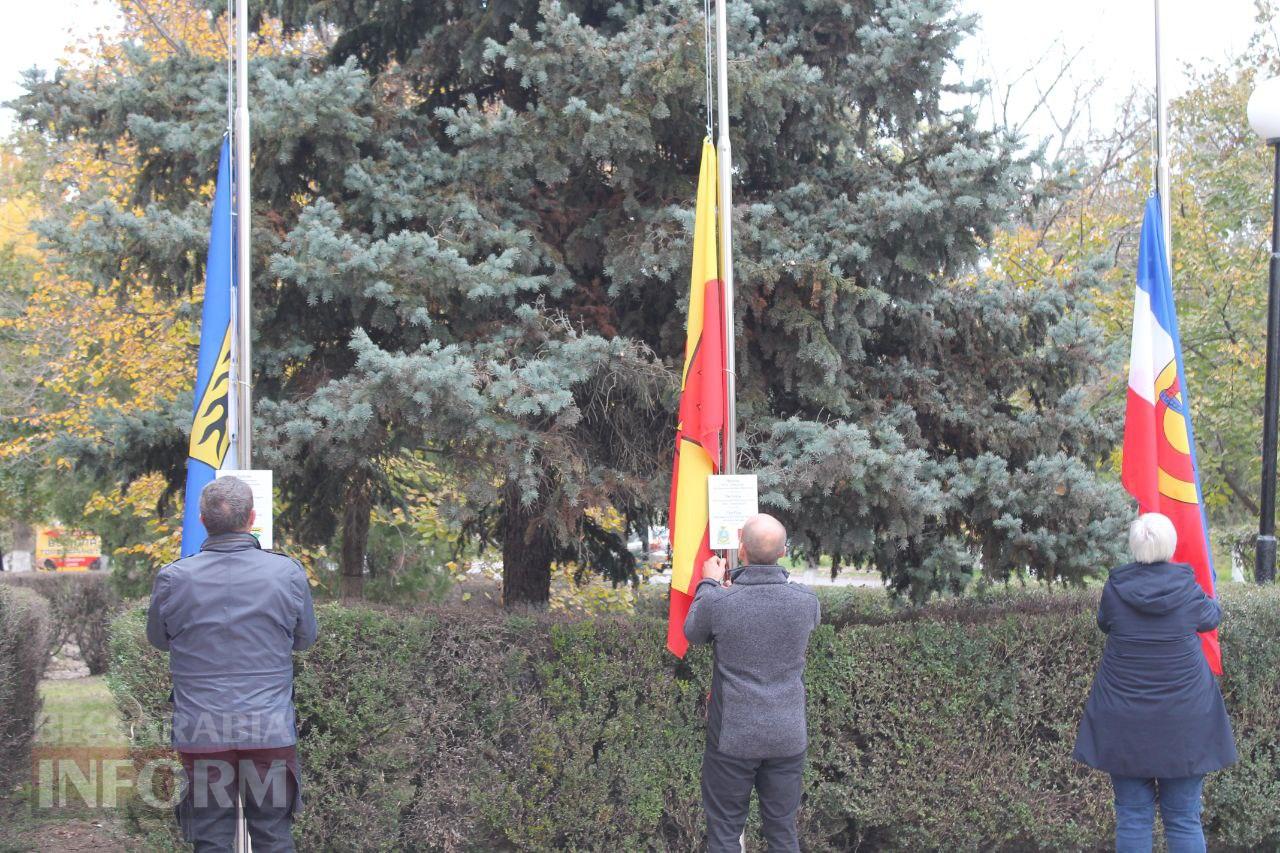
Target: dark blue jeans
{"x":1179,"y":801}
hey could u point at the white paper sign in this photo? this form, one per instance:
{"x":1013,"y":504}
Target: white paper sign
{"x":260,"y":482}
{"x":731,"y":500}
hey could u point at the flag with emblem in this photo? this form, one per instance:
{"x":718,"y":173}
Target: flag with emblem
{"x":1159,"y":467}
{"x":702,"y":408}
{"x":211,"y":414}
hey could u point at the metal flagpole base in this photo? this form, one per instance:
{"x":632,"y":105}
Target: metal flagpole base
{"x":243,"y":844}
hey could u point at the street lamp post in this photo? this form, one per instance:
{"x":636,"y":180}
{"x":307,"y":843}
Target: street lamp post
{"x":1264,"y":118}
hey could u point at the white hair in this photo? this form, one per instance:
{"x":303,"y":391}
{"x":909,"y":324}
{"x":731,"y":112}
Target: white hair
{"x":1152,"y":538}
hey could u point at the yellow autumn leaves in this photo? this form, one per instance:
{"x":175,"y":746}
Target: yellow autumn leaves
{"x":122,"y":348}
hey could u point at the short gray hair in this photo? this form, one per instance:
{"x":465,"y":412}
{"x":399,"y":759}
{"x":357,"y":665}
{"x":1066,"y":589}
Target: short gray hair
{"x":225,"y":505}
{"x":1152,"y":538}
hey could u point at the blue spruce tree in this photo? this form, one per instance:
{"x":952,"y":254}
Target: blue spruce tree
{"x":472,"y":236}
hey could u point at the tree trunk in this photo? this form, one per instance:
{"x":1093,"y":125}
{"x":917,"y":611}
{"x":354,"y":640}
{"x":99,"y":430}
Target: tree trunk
{"x":355,"y":536}
{"x":24,"y":537}
{"x":527,"y":551}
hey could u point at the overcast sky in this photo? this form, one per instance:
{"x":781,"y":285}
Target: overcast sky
{"x":35,"y":32}
{"x":1114,"y":37}
{"x":1115,"y":43}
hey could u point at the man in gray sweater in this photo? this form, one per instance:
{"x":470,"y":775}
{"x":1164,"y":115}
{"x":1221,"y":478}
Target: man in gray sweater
{"x":759,"y":624}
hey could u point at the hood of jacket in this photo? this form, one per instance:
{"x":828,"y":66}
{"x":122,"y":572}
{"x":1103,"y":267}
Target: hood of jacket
{"x":1153,"y":588}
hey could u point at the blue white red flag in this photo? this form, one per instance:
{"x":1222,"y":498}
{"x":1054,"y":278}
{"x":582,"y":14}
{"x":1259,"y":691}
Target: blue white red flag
{"x":1159,"y":467}
{"x":211,"y":412}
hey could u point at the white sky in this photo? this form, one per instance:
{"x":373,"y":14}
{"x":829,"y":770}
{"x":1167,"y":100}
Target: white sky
{"x":1114,"y":35}
{"x":35,"y":32}
{"x":1116,"y":42}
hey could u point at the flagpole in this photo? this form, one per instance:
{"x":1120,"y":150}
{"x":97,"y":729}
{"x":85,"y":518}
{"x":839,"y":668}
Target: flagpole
{"x":243,"y":355}
{"x":725,"y":158}
{"x":725,"y":207}
{"x":1162,"y":146}
{"x":240,"y":329}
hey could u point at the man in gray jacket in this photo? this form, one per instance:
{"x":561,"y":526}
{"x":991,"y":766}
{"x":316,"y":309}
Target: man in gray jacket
{"x":231,"y":617}
{"x":759,"y":623}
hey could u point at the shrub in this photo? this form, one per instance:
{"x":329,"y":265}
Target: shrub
{"x":24,"y":653}
{"x":83,"y":605}
{"x":940,"y":727}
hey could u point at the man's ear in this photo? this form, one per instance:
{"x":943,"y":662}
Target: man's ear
{"x":253,"y":516}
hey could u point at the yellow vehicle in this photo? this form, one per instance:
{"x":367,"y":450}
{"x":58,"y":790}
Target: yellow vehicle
{"x":59,"y":549}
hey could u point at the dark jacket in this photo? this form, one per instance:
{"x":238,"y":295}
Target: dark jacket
{"x":1155,"y":710}
{"x":231,"y":617}
{"x":760,"y":627}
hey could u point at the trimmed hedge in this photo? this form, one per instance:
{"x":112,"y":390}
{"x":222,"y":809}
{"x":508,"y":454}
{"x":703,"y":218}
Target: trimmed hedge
{"x":83,"y":605}
{"x":24,"y":654}
{"x":945,"y":727}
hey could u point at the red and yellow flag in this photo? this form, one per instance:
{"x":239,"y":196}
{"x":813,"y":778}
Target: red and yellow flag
{"x":702,"y":408}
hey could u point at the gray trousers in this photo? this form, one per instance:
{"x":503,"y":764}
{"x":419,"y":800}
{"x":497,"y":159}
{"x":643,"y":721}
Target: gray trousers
{"x":726,"y":797}
{"x":265,"y":782}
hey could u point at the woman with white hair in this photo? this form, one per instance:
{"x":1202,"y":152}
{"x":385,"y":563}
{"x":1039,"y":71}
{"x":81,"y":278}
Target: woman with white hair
{"x":1155,"y":719}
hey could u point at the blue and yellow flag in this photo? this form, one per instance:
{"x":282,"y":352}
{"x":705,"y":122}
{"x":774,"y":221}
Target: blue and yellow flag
{"x":211,"y":414}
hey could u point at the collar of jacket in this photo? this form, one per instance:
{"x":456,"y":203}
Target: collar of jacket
{"x":759,"y":574}
{"x":230,"y":542}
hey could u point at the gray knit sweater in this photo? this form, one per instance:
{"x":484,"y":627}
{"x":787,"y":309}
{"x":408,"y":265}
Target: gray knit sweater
{"x":760,"y":629}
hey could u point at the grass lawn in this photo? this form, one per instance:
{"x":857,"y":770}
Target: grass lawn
{"x":79,"y":712}
{"x":79,"y":724}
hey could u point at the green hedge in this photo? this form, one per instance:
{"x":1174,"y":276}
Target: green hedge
{"x":947,"y":727}
{"x":83,"y":605}
{"x":24,"y":653}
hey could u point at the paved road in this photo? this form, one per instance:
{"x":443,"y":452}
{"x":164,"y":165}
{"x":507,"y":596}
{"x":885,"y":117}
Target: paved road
{"x":817,"y":576}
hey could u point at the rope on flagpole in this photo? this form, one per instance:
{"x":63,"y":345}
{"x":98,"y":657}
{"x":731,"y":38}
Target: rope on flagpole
{"x":709,"y":56}
{"x":244,"y":362}
{"x":1162,"y":147}
{"x":228,"y":137}
{"x":725,"y":212}
{"x":230,"y":81}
